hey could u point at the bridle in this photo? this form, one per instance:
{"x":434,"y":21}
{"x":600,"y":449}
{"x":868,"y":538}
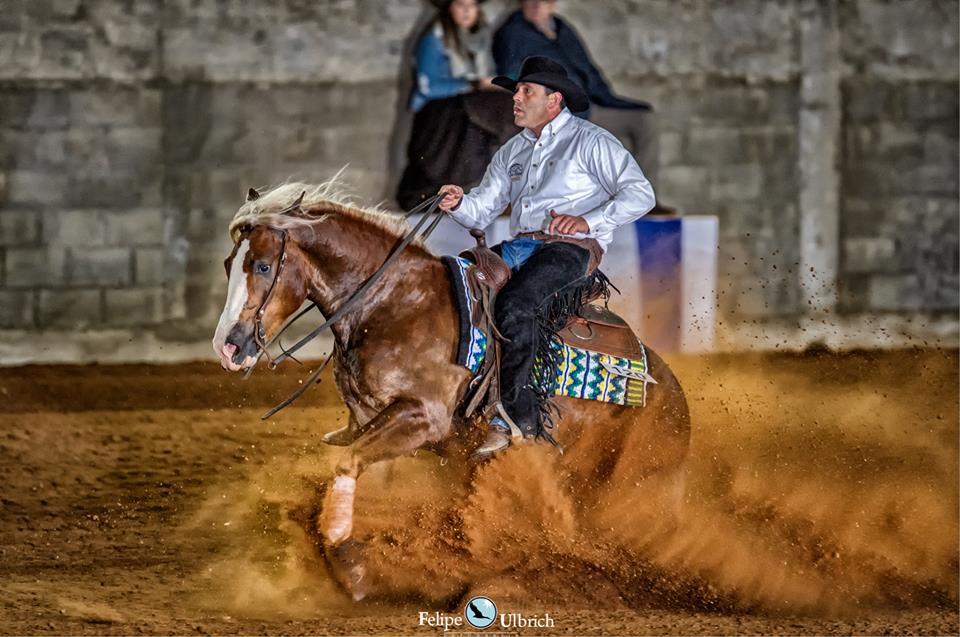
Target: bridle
{"x":429,"y":204}
{"x":259,"y":331}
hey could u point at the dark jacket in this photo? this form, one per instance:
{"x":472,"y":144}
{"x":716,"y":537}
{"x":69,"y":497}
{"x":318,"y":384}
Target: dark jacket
{"x":518,"y":39}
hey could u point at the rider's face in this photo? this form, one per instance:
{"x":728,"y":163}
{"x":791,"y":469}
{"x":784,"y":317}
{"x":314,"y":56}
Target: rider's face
{"x":532,"y":106}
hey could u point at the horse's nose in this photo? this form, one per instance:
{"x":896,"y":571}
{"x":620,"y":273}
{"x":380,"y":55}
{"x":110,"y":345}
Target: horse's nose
{"x":226,"y":357}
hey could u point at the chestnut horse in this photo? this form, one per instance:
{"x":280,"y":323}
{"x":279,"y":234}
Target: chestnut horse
{"x":395,"y":356}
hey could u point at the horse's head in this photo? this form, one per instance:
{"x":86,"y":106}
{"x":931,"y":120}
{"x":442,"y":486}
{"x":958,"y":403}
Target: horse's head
{"x":265,"y":285}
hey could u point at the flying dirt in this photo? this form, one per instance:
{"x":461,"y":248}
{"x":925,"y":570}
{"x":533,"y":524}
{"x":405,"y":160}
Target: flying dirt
{"x":820,"y":497}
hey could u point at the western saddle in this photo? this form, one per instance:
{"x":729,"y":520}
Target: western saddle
{"x":593,"y":327}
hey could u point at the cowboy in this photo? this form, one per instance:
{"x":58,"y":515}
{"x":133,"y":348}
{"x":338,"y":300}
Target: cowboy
{"x":569,"y":184}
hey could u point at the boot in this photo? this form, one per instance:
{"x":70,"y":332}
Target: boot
{"x":498,"y":438}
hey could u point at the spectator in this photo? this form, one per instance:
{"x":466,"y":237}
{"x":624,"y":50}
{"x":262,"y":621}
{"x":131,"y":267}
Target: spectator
{"x":535,"y":30}
{"x":459,"y":117}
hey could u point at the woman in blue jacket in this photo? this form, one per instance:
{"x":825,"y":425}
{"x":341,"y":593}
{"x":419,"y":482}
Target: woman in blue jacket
{"x":460,"y":118}
{"x":453,"y":56}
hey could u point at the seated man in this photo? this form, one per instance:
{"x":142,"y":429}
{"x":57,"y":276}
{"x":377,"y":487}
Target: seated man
{"x":569,"y":184}
{"x":535,"y":30}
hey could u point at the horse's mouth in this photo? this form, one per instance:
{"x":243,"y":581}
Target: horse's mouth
{"x":229,"y":355}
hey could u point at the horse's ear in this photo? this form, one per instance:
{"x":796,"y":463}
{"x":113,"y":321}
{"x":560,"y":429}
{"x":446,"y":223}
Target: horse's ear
{"x":296,"y":204}
{"x":252,"y":194}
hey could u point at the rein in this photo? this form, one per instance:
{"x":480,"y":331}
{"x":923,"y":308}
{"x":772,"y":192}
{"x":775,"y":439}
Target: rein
{"x":429,"y":204}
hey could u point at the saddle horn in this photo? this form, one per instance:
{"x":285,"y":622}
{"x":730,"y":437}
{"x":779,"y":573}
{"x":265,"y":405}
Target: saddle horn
{"x":480,"y":236}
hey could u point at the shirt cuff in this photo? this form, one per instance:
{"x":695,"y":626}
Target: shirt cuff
{"x":594,"y":219}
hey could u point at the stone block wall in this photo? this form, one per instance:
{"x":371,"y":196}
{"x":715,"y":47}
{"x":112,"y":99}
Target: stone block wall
{"x":822,"y":133}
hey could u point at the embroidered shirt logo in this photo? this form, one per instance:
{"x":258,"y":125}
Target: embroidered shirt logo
{"x":515,"y":171}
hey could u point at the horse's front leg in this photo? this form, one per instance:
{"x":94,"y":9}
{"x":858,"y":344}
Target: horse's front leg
{"x":403,"y":427}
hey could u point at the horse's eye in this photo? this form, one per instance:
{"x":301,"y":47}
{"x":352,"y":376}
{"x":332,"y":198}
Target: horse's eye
{"x":263,"y":268}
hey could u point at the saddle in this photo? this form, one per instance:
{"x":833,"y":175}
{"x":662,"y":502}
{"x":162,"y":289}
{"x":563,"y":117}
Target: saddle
{"x":593,"y":327}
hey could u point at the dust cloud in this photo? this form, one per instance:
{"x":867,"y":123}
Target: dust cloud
{"x":817,"y":484}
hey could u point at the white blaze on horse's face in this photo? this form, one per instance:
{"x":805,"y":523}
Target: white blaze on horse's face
{"x":236,"y":300}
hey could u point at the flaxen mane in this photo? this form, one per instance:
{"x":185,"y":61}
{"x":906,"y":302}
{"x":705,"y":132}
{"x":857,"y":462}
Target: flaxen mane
{"x":319,"y":200}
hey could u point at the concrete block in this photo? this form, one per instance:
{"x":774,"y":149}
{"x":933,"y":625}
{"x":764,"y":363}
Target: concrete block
{"x":763,"y":143}
{"x":865,"y":100}
{"x":19,"y":227}
{"x":731,"y":104}
{"x":854,"y":293}
{"x":108,"y":190}
{"x":134,"y":227}
{"x":149,"y":266}
{"x":136,"y":150}
{"x":940,"y":179}
{"x":714,"y":145}
{"x":204,"y":223}
{"x":898,"y":141}
{"x":894,"y":292}
{"x":930,"y":100}
{"x":31,"y":188}
{"x":34,"y":108}
{"x":688,"y":182}
{"x":73,"y":228}
{"x":134,"y":306}
{"x":43,"y":151}
{"x":99,"y":266}
{"x":671,"y":148}
{"x":737,"y":182}
{"x":940,"y":148}
{"x":16,"y":308}
{"x":75,"y":308}
{"x":64,"y":52}
{"x":34,"y":267}
{"x":869,"y":254}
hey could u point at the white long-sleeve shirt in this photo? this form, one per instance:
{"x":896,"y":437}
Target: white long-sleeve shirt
{"x":574,"y":167}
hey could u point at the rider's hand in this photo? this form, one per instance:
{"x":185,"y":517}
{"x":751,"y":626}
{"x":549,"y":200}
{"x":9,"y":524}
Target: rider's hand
{"x":567,"y":224}
{"x":452,"y":196}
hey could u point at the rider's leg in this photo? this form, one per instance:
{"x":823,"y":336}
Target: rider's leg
{"x":551,"y":268}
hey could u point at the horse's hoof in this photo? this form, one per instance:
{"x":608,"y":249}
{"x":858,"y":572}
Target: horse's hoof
{"x":347,"y":565}
{"x":341,"y":437}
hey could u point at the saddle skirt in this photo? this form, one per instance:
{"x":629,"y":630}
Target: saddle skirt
{"x":602,"y":359}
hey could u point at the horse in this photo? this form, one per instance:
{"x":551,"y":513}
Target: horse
{"x":395,"y":357}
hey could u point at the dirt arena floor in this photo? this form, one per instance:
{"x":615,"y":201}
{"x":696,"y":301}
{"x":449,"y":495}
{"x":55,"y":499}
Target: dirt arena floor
{"x":821,"y":498}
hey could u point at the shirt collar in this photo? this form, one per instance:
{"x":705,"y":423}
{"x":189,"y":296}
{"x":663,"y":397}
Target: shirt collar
{"x":553,"y":126}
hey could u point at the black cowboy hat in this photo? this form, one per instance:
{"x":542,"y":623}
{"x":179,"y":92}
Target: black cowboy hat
{"x":546,"y":72}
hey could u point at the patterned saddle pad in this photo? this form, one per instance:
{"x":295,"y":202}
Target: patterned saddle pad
{"x":620,"y":378}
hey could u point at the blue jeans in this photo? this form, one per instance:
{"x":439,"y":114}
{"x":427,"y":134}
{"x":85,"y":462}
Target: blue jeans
{"x":516,"y":252}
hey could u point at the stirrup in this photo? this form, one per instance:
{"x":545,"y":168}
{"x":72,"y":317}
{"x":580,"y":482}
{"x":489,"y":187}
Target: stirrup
{"x":515,"y":432}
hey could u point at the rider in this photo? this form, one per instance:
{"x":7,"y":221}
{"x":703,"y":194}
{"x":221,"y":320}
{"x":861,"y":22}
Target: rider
{"x":569,"y":184}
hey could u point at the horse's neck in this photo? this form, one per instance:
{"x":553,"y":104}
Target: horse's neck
{"x":345,"y":254}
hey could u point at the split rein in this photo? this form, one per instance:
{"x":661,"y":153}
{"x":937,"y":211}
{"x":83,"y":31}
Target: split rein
{"x":430,"y":205}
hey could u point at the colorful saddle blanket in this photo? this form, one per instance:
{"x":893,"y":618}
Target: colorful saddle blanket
{"x":582,"y":374}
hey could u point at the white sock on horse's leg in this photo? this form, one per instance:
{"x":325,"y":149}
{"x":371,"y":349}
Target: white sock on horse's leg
{"x":337,"y":514}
